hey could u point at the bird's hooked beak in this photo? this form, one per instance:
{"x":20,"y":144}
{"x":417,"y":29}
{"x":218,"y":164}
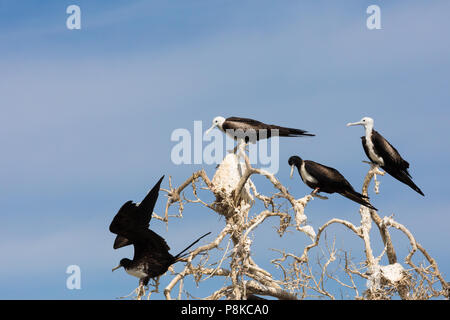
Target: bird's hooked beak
{"x":115,"y":268}
{"x":210,"y":129}
{"x":354,"y":124}
{"x":292,"y":171}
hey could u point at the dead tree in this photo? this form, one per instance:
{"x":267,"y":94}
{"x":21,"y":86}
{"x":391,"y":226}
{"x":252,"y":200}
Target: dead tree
{"x":301,"y":276}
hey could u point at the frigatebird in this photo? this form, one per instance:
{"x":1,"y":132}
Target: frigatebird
{"x":383,"y":154}
{"x":252,"y":130}
{"x":151,"y":252}
{"x":326,"y":179}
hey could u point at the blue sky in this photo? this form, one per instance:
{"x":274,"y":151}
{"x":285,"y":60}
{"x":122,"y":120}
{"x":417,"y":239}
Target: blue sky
{"x":87,"y":117}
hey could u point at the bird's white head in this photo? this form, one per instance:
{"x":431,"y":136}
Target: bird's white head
{"x":217,"y":122}
{"x":367,"y":122}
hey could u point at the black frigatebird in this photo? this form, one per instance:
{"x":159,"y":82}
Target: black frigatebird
{"x":252,"y":130}
{"x":151,"y":252}
{"x":383,"y":154}
{"x":326,"y":179}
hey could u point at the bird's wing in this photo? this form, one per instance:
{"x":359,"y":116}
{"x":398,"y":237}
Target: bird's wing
{"x":148,"y":204}
{"x":246,"y":123}
{"x":244,"y":120}
{"x":125,"y":225}
{"x":124,"y":220}
{"x":120,"y":242}
{"x":132,"y":217}
{"x":363,"y":140}
{"x":326,"y":175}
{"x":390,"y":155}
{"x":148,"y":242}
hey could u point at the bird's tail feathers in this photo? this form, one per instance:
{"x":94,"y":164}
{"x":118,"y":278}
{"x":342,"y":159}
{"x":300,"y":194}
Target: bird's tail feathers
{"x":359,"y":198}
{"x":403,"y":176}
{"x":291,"y":132}
{"x":180,"y":255}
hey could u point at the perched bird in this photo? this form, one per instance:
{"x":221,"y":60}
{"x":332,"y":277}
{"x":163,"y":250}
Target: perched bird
{"x":251,"y":130}
{"x":151,"y":252}
{"x":326,"y":179}
{"x":383,"y":154}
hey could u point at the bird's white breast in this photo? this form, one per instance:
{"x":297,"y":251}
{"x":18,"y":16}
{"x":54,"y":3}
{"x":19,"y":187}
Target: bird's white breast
{"x":305,"y":175}
{"x":136,"y":273}
{"x":370,"y":147}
